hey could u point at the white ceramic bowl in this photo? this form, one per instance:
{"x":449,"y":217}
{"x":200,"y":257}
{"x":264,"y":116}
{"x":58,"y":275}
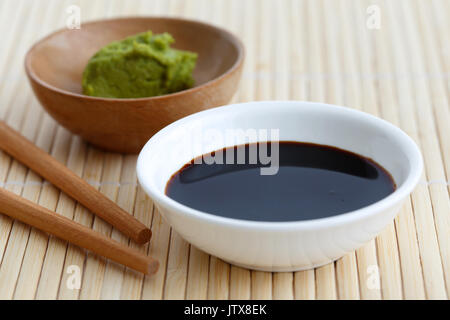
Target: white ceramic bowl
{"x":280,"y":246}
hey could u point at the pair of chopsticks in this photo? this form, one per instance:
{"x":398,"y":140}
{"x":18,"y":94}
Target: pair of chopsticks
{"x":41,"y":218}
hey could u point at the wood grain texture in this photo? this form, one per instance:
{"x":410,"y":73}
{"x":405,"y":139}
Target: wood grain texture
{"x":295,"y":49}
{"x":55,"y":172}
{"x":57,"y":84}
{"x":53,"y":223}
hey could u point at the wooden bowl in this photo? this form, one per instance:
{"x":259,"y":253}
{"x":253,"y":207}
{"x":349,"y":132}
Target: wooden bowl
{"x":55,"y":65}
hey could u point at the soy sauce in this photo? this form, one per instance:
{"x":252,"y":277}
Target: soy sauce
{"x":313,"y":181}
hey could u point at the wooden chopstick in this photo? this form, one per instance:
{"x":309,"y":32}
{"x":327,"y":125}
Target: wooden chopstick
{"x":33,"y":214}
{"x":52,"y":170}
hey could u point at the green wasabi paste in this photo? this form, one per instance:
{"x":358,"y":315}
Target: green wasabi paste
{"x":139,"y":66}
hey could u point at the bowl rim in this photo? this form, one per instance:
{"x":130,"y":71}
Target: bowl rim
{"x":233,"y":39}
{"x":412,"y":151}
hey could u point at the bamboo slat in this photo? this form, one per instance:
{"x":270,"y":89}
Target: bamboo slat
{"x":295,"y":49}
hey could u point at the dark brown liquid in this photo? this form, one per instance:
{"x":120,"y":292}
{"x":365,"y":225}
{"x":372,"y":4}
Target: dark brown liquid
{"x":313,"y":181}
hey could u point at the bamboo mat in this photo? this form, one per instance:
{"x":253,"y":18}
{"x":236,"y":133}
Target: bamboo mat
{"x":329,"y":51}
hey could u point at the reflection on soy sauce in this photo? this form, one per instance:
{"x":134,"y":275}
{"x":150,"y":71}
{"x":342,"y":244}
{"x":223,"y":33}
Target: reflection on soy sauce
{"x":313,"y":181}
